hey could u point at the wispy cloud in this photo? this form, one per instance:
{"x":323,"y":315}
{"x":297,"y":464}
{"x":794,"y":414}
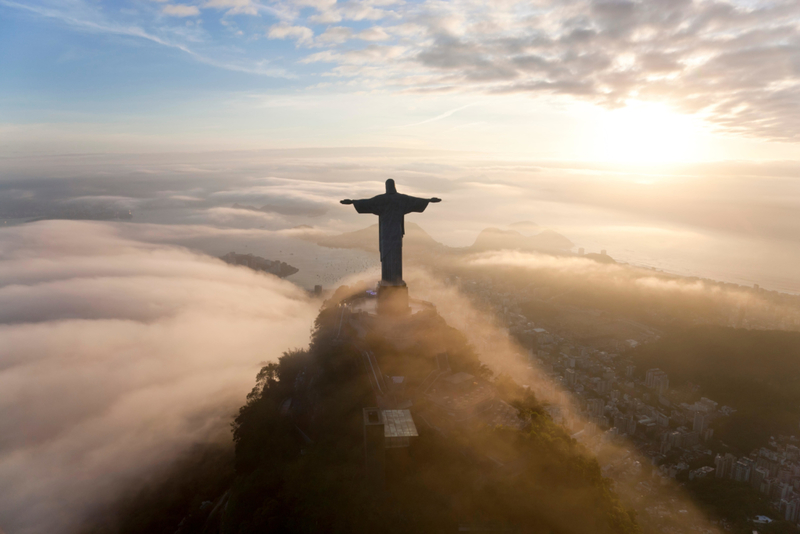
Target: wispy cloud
{"x":234,"y":7}
{"x":301,"y":34}
{"x":180,"y":10}
{"x":103,"y":26}
{"x":440,"y":117}
{"x":734,"y":64}
{"x":95,"y":26}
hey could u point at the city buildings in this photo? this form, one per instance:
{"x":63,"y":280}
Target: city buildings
{"x":699,"y":424}
{"x":658,"y":380}
{"x":598,"y":396}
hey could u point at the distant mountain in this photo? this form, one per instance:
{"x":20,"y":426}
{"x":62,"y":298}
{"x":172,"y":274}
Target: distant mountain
{"x":416,"y":240}
{"x":278,"y":268}
{"x":600,"y":258}
{"x":528,"y":227}
{"x":497,"y":239}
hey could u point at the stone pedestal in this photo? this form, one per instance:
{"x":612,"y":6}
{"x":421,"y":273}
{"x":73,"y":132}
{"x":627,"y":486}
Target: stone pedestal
{"x":393,"y":299}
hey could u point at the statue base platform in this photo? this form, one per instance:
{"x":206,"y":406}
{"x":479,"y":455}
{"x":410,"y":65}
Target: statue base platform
{"x":393,"y":299}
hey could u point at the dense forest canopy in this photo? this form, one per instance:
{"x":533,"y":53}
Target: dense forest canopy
{"x":304,"y":472}
{"x":291,"y":485}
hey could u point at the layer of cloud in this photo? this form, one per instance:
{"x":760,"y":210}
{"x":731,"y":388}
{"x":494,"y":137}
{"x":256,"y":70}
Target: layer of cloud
{"x":118,"y":355}
{"x":586,"y":283}
{"x":180,"y":10}
{"x":328,"y":11}
{"x":301,"y":34}
{"x":736,"y":64}
{"x":335,"y":35}
{"x":234,"y":7}
{"x":729,"y":221}
{"x":503,"y":355}
{"x":605,"y":275}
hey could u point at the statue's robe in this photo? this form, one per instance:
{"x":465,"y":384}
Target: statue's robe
{"x":391,"y":209}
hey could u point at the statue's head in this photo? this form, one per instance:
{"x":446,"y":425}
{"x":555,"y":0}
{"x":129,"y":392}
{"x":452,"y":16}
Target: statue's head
{"x":390,"y":188}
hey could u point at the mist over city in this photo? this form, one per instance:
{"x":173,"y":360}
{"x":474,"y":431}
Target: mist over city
{"x":399,"y":266}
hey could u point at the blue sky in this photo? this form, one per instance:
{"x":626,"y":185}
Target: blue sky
{"x":579,"y":84}
{"x":96,"y":60}
{"x":305,"y":72}
{"x":663,"y":131}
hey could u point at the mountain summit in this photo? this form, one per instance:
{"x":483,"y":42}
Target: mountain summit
{"x":418,"y":241}
{"x":460,"y":449}
{"x":497,"y":239}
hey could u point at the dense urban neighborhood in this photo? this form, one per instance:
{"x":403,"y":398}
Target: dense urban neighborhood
{"x":599,"y":393}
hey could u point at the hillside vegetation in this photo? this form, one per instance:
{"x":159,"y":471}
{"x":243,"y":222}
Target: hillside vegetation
{"x":302,"y":470}
{"x":286,"y":483}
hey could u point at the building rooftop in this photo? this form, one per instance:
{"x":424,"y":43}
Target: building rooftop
{"x":399,"y":423}
{"x":398,"y":428}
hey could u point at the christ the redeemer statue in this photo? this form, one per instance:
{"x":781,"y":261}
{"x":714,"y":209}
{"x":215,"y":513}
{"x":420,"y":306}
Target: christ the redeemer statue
{"x":391,"y":208}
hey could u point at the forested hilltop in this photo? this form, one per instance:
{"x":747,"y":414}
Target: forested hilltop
{"x":299,"y":454}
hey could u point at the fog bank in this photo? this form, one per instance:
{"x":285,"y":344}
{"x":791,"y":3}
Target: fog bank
{"x":118,"y":355}
{"x":646,"y":293}
{"x":733,"y":221}
{"x":619,"y":459}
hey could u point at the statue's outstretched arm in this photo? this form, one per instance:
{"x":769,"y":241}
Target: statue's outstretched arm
{"x":416,"y":204}
{"x":372,"y":205}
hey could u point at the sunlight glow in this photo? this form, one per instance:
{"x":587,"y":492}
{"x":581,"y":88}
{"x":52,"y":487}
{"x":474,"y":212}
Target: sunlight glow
{"x":645,"y":133}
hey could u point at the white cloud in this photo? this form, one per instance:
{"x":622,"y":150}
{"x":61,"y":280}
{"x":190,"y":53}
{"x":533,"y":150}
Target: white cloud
{"x":335,"y":35}
{"x":363,"y":11}
{"x":96,"y":23}
{"x":318,"y":4}
{"x":326,"y":56}
{"x":360,"y":57}
{"x":180,"y":10}
{"x":733,"y":64}
{"x":375,"y":33}
{"x":301,"y":34}
{"x":117,"y":356}
{"x":326,"y":17}
{"x":234,"y":7}
{"x":329,"y":12}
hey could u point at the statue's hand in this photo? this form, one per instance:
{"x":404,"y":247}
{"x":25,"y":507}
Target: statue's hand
{"x":434,"y":199}
{"x":346,"y":201}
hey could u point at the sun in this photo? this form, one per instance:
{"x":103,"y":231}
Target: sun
{"x":647,"y":133}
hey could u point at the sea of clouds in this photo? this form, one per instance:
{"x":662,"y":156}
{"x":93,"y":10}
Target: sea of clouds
{"x":124,"y":343}
{"x":731,"y":221}
{"x":116,"y":356}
